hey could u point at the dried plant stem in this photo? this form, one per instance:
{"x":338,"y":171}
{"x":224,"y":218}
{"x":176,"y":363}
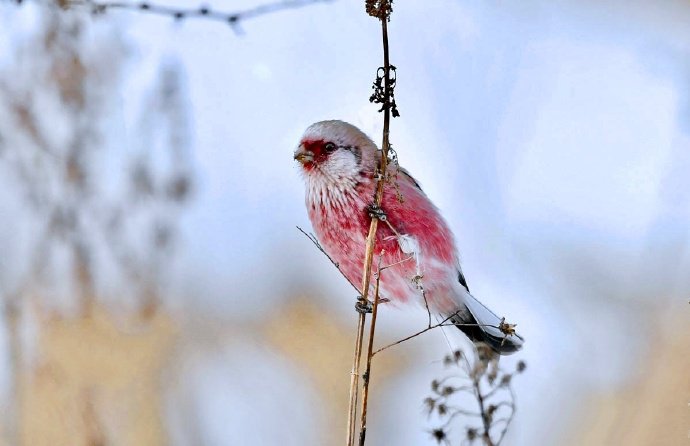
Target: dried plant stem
{"x":370,"y":349}
{"x":486,"y":419}
{"x":364,"y":298}
{"x":369,"y":252}
{"x":354,"y":381}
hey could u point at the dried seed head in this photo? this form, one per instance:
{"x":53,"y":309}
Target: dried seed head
{"x":439,"y":435}
{"x":448,"y":390}
{"x":430,"y":404}
{"x":471,"y":433}
{"x":506,"y":328}
{"x":492,"y":375}
{"x":380,"y":9}
{"x":521,"y":366}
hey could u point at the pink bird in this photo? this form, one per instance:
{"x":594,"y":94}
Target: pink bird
{"x":339,"y":163}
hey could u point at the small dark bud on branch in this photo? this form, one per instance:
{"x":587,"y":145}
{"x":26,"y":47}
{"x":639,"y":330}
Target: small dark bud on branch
{"x":521,"y":366}
{"x":439,"y":435}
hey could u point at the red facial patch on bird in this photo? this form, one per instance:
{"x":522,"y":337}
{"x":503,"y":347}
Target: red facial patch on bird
{"x":318,"y":148}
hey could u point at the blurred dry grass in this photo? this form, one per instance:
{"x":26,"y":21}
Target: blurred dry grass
{"x":92,"y":378}
{"x":653,"y":409}
{"x":322,"y":347}
{"x":96,"y":381}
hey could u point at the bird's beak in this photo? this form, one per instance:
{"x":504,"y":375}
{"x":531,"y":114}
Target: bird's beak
{"x":304,"y":156}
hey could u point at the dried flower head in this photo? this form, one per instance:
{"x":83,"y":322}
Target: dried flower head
{"x":471,"y":433}
{"x":430,"y":405}
{"x":506,"y":328}
{"x":485,"y":398}
{"x":381,"y":9}
{"x":521,"y":366}
{"x":439,"y":435}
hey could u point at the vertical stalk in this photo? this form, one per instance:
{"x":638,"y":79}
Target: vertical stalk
{"x":486,"y":421}
{"x":370,"y":354}
{"x":369,"y":252}
{"x":354,"y":379}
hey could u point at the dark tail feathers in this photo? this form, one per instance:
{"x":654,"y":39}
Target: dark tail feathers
{"x":497,"y":341}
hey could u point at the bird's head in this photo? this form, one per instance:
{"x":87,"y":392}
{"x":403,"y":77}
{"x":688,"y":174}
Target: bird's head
{"x":335,"y":151}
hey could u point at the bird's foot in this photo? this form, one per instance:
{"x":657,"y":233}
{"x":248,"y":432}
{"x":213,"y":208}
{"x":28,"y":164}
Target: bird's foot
{"x":375,"y":211}
{"x":367,"y":306}
{"x":364,"y":306}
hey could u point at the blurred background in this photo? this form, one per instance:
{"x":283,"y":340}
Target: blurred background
{"x":156,"y":291}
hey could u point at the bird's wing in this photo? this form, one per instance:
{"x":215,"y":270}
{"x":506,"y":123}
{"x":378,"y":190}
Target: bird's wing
{"x":462,"y":280}
{"x":409,"y":177}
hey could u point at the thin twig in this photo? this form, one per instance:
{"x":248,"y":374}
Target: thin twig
{"x":406,"y":338}
{"x":509,"y":418}
{"x":315,"y":241}
{"x":202,"y":12}
{"x":458,"y":412}
{"x":426,"y":304}
{"x":439,"y":383}
{"x":443,"y":323}
{"x":383,"y":268}
{"x":486,"y":421}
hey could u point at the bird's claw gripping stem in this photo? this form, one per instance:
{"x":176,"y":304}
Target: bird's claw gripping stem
{"x":364,"y":306}
{"x":375,"y":211}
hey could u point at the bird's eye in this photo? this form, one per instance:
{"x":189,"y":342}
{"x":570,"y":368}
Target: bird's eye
{"x":330,"y":147}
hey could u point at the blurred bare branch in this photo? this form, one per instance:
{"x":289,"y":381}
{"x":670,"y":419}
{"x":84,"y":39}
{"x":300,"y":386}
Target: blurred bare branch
{"x":444,"y":323}
{"x":95,"y":222}
{"x":233,"y":19}
{"x":482,"y":381}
